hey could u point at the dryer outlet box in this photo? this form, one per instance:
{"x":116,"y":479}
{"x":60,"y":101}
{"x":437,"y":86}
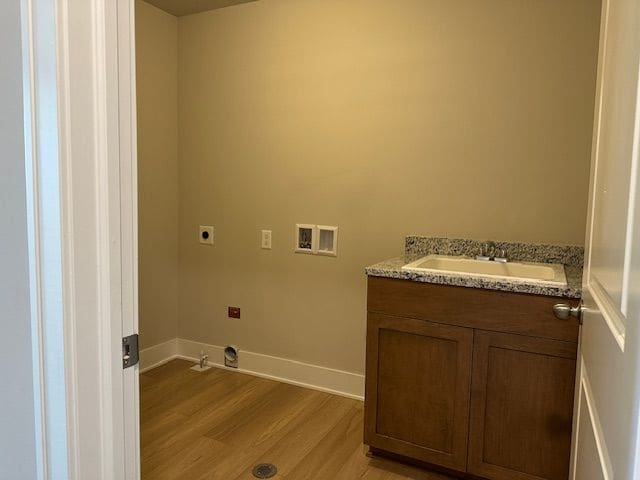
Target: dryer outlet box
{"x":231,"y":356}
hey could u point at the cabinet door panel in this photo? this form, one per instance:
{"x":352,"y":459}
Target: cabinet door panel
{"x":521,"y":407}
{"x":418,"y":384}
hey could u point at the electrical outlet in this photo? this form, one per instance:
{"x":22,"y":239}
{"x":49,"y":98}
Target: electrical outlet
{"x":205,"y":234}
{"x":234,"y":312}
{"x":266,"y":239}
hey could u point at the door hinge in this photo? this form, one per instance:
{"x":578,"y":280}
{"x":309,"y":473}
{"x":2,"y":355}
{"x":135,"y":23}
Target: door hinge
{"x":130,"y":354}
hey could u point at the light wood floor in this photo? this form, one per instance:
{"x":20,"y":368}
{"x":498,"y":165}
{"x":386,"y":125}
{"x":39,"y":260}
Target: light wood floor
{"x":218,"y":424}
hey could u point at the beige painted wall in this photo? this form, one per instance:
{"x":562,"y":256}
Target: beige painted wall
{"x":157,"y":85}
{"x":386,"y":118}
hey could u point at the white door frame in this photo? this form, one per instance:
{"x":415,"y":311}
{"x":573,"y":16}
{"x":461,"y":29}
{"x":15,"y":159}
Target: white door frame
{"x":80,"y":147}
{"x":80,"y":140}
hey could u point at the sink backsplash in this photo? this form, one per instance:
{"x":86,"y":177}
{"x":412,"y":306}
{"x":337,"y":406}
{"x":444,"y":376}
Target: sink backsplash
{"x":417,"y":246}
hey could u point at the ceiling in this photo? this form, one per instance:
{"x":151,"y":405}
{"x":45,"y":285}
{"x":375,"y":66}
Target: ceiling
{"x":187,"y":7}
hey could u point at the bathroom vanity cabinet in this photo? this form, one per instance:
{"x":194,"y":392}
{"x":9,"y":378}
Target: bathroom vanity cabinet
{"x":474,"y":381}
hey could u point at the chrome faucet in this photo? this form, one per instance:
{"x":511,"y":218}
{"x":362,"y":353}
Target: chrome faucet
{"x":490,"y":252}
{"x":487,"y":251}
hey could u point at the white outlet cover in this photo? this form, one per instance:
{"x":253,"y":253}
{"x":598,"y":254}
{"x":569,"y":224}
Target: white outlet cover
{"x":205,"y":234}
{"x":265,"y":239}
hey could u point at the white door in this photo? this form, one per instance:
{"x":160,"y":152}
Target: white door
{"x":608,"y":386}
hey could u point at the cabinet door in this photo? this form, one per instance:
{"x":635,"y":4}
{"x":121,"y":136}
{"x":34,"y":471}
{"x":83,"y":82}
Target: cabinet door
{"x":521,"y":407}
{"x":417,"y":389}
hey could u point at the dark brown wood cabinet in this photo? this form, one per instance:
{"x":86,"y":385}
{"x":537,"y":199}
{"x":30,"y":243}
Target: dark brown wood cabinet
{"x":420,"y":378}
{"x":521,"y":407}
{"x":476,"y":381}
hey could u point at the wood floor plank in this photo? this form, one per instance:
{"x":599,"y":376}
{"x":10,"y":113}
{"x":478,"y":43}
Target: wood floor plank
{"x":257,"y":442}
{"x":170,"y":390}
{"x":362,"y":466}
{"x":166,"y":425}
{"x":198,"y":424}
{"x":216,"y":425}
{"x":198,"y":456}
{"x":224,"y":384}
{"x":306,"y":432}
{"x":356,"y":466}
{"x":335,"y":446}
{"x":265,"y":415}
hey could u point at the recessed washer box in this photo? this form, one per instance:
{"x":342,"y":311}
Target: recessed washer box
{"x":327,"y":240}
{"x":316,"y":239}
{"x":305,"y":238}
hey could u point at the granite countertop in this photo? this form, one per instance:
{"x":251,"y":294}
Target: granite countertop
{"x":416,"y":247}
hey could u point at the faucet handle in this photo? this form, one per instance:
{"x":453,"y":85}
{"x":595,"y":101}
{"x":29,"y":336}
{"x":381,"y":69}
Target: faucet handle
{"x":489,"y":248}
{"x":487,"y":251}
{"x":501,"y":255}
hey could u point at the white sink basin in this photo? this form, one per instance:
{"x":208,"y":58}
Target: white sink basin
{"x":539,"y":273}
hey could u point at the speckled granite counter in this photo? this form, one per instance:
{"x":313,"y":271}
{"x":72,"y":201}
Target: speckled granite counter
{"x":416,"y":247}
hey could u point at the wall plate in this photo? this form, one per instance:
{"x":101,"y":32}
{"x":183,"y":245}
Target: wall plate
{"x":205,"y":234}
{"x":265,"y":239}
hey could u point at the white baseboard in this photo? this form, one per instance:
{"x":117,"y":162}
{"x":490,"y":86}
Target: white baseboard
{"x":328,"y":380}
{"x":157,"y":355}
